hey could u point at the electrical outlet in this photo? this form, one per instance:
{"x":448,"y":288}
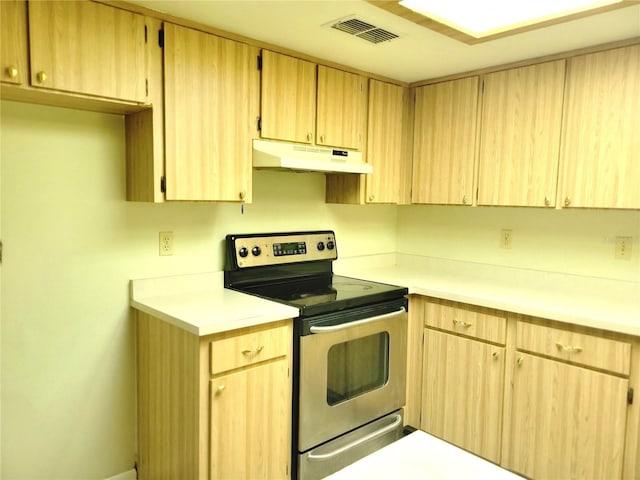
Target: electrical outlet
{"x":166,"y":243}
{"x":505,"y":239}
{"x":623,"y":248}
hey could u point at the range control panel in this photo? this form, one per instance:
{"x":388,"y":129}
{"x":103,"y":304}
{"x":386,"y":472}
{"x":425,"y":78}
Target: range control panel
{"x":279,"y":248}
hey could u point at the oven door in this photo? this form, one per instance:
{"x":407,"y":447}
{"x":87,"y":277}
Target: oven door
{"x":352,"y":371}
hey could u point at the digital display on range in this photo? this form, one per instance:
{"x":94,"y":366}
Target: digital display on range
{"x":289,"y":248}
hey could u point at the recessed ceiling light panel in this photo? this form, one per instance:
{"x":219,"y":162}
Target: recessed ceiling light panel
{"x":488,"y":17}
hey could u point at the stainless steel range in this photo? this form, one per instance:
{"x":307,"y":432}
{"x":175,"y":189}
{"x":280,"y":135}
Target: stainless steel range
{"x":349,"y":346}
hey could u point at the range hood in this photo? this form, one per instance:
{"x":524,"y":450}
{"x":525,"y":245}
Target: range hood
{"x":307,"y":158}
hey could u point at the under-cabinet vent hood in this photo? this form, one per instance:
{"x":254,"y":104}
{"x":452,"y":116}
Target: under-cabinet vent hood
{"x":307,"y":158}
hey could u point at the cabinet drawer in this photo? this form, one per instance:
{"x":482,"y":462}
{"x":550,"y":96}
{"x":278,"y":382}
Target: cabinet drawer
{"x":248,"y":348}
{"x":477,"y":323}
{"x":579,"y":348}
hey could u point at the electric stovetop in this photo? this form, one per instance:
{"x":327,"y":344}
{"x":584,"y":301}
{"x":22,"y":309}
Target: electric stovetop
{"x":326,"y":293}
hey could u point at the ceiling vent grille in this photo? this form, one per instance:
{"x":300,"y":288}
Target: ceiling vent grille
{"x":363,"y":30}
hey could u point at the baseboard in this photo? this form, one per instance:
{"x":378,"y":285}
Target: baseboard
{"x":128,"y":475}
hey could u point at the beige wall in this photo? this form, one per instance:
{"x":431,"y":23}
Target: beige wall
{"x":569,"y":241}
{"x":71,"y":244}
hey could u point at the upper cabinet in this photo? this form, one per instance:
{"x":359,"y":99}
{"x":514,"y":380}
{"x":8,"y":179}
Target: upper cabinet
{"x":211,"y":88}
{"x":384,"y":142}
{"x":601,"y":148}
{"x":444,"y":142}
{"x":13,"y":42}
{"x":342,"y":109}
{"x":288,"y":98}
{"x":289,"y":111}
{"x":88,"y":48}
{"x":520,"y":135}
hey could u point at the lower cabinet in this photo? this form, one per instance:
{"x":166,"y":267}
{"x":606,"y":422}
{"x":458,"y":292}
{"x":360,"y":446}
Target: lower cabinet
{"x":462,"y":392}
{"x":213,"y":407}
{"x":462,"y":378}
{"x":543,"y":399}
{"x":567,"y":404}
{"x":565,"y":421}
{"x":249,"y":414}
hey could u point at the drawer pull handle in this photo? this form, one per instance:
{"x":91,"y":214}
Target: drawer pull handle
{"x":461,"y":323}
{"x":253,"y":352}
{"x":568,"y":348}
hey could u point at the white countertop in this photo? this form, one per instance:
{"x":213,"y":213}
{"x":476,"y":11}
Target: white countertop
{"x":200,"y":304}
{"x":588,"y":301}
{"x":420,"y":456}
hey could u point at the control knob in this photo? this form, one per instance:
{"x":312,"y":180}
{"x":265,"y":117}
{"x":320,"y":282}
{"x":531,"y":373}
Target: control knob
{"x":243,"y":252}
{"x":320,"y":246}
{"x":256,"y":251}
{"x":331,"y":245}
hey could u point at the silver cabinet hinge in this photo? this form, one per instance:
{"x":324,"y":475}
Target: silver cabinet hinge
{"x":630,"y":396}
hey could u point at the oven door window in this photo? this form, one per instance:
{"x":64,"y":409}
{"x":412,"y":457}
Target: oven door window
{"x":357,"y":366}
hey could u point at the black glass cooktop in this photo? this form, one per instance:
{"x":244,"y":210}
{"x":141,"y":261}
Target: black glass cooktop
{"x":326,"y":293}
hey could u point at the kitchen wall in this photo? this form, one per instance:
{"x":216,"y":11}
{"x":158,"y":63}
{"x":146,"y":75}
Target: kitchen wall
{"x":71,"y":244}
{"x":579,"y":242}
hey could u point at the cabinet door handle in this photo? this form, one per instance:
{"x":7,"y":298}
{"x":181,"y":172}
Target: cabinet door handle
{"x":495,"y":355}
{"x":321,"y":138}
{"x":253,"y":352}
{"x":371,"y":197}
{"x":309,"y":136}
{"x":12,"y":71}
{"x":461,"y":323}
{"x":41,"y":77}
{"x":220,"y":389}
{"x":547,"y":202}
{"x":242,"y":195}
{"x":568,"y":348}
{"x":519,"y":361}
{"x":464,"y":200}
{"x":567,"y":201}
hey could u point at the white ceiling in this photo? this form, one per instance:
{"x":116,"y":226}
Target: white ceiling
{"x":417,"y":54}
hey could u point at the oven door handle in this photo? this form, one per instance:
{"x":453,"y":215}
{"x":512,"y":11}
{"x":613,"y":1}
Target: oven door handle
{"x":344,"y":326}
{"x":325,"y":456}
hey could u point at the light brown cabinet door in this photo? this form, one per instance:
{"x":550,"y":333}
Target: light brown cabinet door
{"x":250,"y":428}
{"x":520,"y":135}
{"x":342,"y":109}
{"x":288,"y":98}
{"x":565,"y":421}
{"x":444,"y":144}
{"x":211,"y":106}
{"x":86,"y":47}
{"x":601,"y":148}
{"x":384,"y":142}
{"x":13,"y":41}
{"x":462,"y":391}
